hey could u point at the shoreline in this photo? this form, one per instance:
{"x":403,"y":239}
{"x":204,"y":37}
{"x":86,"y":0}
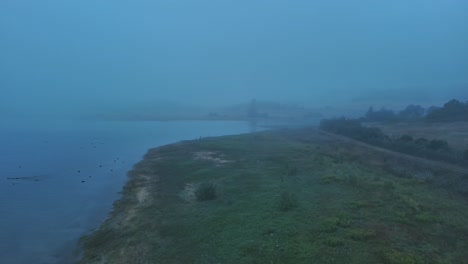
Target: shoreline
{"x":155,"y":208}
{"x":91,"y":160}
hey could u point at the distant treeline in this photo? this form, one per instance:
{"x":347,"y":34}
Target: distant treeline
{"x":431,"y":149}
{"x":453,"y":110}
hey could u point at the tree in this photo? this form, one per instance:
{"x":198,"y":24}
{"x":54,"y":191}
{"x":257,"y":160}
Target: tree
{"x":370,"y":113}
{"x":381,"y":115}
{"x":453,"y":110}
{"x":412,"y":112}
{"x":432,"y":109}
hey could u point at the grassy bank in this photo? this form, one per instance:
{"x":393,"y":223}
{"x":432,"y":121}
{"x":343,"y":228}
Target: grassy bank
{"x":294,"y":196}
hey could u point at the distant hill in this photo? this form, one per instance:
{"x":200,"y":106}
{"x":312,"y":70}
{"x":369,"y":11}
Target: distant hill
{"x":177,"y":111}
{"x":271,"y":110}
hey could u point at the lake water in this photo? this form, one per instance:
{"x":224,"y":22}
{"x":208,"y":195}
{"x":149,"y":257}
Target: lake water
{"x":58,"y":179}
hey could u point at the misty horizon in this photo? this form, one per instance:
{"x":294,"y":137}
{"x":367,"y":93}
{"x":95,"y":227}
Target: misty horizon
{"x":78,"y":57}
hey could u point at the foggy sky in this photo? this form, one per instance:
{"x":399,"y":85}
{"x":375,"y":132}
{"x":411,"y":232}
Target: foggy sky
{"x":64,"y":54}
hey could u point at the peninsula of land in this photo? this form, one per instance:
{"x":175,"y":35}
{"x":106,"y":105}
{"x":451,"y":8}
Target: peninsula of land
{"x":285,"y":196}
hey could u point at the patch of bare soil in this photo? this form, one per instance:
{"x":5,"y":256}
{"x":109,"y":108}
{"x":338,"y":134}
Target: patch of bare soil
{"x":188,"y":193}
{"x":212,"y":156}
{"x":143,"y":197}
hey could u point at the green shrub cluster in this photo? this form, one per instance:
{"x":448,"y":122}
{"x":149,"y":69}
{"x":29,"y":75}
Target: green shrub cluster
{"x":287,"y":201}
{"x":205,"y":192}
{"x":362,"y":234}
{"x":333,"y":242}
{"x":434,"y":148}
{"x":332,"y":224}
{"x":354,"y":129}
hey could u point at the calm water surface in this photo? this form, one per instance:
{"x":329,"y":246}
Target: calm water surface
{"x":58,"y":179}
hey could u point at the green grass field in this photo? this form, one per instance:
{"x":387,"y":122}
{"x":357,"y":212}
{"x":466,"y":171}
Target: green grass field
{"x":292,"y":196}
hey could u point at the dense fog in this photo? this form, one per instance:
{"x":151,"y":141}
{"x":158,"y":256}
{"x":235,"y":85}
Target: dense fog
{"x":80,"y":57}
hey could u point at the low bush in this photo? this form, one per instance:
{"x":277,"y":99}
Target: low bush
{"x":362,"y":234}
{"x":352,"y":128}
{"x":437,"y":144}
{"x":287,"y":201}
{"x":333,"y":242}
{"x":406,"y":138}
{"x":422,"y":142}
{"x":205,"y":192}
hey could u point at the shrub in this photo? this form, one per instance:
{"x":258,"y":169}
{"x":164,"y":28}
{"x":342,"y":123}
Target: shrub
{"x":205,"y":192}
{"x":392,"y":256}
{"x":287,"y":201}
{"x":330,"y":224}
{"x":361,"y":234}
{"x":333,"y":242}
{"x":354,"y":129}
{"x":437,"y":144}
{"x":406,"y":138}
{"x":422,"y":142}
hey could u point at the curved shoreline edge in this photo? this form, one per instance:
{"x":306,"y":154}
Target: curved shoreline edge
{"x":349,"y":190}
